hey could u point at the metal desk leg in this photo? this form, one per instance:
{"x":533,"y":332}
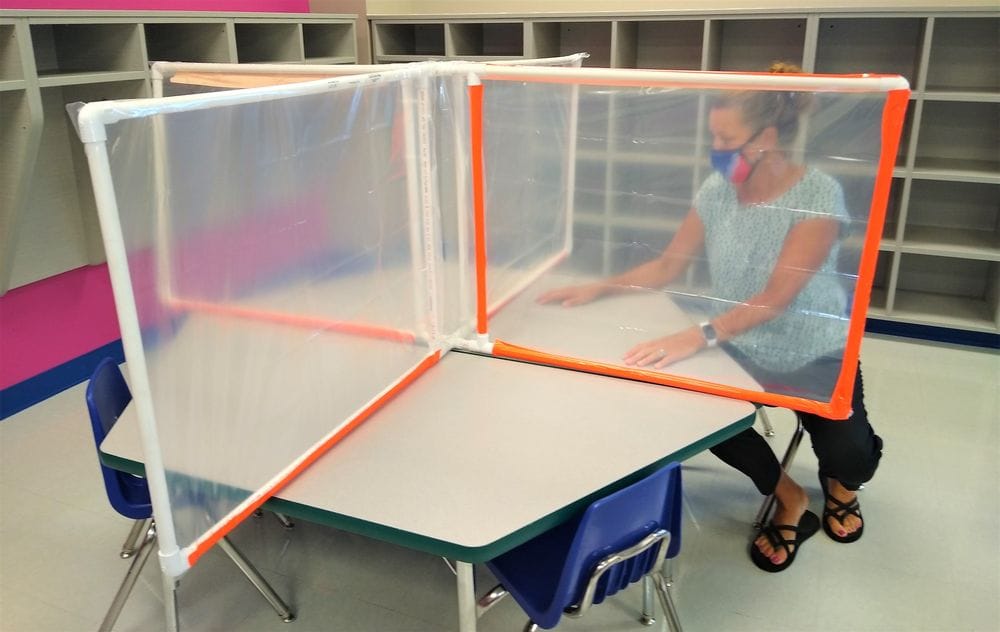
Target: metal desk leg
{"x":170,"y":601}
{"x":466,"y":597}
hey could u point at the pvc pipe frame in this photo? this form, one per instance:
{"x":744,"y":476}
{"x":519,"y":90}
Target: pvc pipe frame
{"x":95,"y":116}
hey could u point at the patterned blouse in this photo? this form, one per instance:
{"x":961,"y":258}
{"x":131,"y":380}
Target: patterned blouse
{"x":742,"y":244}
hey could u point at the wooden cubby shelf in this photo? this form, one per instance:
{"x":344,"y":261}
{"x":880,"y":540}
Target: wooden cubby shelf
{"x":940,"y":250}
{"x":48,"y":223}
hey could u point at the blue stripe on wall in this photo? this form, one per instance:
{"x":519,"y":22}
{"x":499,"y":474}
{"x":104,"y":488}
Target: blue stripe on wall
{"x":16,"y":398}
{"x":937,"y":334}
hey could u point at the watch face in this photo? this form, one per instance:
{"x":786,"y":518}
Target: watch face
{"x":708,"y":331}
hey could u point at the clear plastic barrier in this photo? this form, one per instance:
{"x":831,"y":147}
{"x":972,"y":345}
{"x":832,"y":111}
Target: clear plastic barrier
{"x":765,"y":246}
{"x":274,"y":251}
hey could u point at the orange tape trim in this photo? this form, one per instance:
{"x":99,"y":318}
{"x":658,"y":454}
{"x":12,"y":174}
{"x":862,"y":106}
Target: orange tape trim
{"x":478,"y":202}
{"x":515,"y":352}
{"x":893,"y":114}
{"x":295,"y":320}
{"x":209,"y":540}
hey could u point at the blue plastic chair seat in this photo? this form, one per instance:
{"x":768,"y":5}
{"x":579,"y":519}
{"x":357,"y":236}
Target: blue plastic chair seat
{"x":550,"y":573}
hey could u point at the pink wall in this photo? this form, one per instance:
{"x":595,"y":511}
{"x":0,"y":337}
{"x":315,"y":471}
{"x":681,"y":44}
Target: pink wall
{"x":246,"y":6}
{"x":52,"y":321}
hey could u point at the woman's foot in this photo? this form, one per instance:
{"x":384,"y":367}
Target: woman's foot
{"x":791,"y":501}
{"x":841,"y":514}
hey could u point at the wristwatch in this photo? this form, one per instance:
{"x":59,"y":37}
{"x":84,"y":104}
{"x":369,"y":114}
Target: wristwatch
{"x":708,"y":331}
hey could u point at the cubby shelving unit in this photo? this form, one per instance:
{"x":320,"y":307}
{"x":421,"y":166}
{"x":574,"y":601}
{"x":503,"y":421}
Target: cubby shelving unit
{"x":939,"y":259}
{"x":48,"y":221}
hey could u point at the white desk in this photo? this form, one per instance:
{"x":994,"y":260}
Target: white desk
{"x":482,"y":454}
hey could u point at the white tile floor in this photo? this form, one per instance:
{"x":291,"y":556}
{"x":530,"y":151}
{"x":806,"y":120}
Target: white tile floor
{"x":929,"y":560}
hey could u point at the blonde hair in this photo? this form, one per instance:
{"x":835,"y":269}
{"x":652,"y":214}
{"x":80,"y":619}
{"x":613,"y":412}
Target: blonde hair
{"x":770,"y":108}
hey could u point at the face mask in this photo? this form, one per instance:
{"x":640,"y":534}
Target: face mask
{"x":732,"y":164}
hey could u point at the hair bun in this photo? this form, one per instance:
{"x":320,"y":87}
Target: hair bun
{"x":780,"y":67}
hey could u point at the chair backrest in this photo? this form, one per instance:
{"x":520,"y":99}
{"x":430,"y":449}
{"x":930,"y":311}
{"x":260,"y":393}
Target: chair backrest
{"x":616,"y":522}
{"x":107,"y":397}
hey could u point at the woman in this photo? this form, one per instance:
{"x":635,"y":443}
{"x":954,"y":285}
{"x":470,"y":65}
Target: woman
{"x":769,"y":228}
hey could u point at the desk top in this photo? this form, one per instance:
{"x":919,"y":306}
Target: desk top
{"x":481,"y":454}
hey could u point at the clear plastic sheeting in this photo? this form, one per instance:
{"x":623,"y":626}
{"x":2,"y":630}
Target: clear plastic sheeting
{"x":767,"y":256}
{"x":275,"y":252}
{"x":527,"y":149}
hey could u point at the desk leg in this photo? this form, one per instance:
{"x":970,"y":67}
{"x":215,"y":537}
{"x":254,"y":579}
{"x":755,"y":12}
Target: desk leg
{"x":170,"y":602}
{"x":466,"y":597}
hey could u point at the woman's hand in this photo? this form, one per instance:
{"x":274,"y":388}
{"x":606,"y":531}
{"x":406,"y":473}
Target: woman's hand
{"x":573,"y":295}
{"x":666,"y":350}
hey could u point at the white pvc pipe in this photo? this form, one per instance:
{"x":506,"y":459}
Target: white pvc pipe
{"x":413,"y":203}
{"x":696,"y":79}
{"x":171,"y":561}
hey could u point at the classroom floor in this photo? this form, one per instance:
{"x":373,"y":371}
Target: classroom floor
{"x":929,"y":559}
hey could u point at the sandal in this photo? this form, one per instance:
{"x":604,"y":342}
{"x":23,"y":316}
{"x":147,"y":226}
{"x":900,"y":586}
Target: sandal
{"x":808,"y":525}
{"x":838,"y":512}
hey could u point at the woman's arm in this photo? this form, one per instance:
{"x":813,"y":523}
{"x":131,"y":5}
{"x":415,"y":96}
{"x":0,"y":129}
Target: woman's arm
{"x":653,"y":274}
{"x":805,"y":249}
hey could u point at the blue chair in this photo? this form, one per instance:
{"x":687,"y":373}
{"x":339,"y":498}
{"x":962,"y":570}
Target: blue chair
{"x":107,"y":396}
{"x":619,"y":540}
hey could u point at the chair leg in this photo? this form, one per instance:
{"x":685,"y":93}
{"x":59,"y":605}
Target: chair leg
{"x":786,"y":461}
{"x":284,"y":520}
{"x":139,"y":560}
{"x":667,"y":602}
{"x":257,"y":580}
{"x":647,"y":617}
{"x":531,"y":626}
{"x":766,"y":421}
{"x":132,"y":543}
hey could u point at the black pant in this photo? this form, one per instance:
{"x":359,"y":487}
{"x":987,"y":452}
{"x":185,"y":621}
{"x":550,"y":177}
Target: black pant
{"x":848,"y":450}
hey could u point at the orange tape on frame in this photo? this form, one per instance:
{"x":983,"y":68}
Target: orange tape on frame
{"x":893,"y":115}
{"x":207,"y":541}
{"x":366,"y":330}
{"x":514,"y":352}
{"x":478,"y":202}
{"x":839,"y":406}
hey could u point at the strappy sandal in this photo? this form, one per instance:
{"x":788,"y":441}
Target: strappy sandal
{"x":807,"y":527}
{"x":838,"y":512}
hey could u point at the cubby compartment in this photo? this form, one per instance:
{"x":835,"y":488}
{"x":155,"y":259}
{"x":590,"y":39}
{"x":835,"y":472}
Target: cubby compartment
{"x":959,"y":136}
{"x":10,"y":56}
{"x":646,"y":194}
{"x":903,"y":151}
{"x":959,"y":217}
{"x":565,"y":38}
{"x":872,"y":45}
{"x":672,"y":45}
{"x":880,"y":283}
{"x":60,"y":232}
{"x":329,"y":42}
{"x":66,"y":49}
{"x":187,"y":42}
{"x":14,"y":128}
{"x":591,"y":192}
{"x":409,"y":39}
{"x":657,"y":128}
{"x":965,"y":55}
{"x":752,"y":45}
{"x":268,"y":42}
{"x":631,"y":246}
{"x":947,"y":290}
{"x":892,"y":208}
{"x":489,"y":39}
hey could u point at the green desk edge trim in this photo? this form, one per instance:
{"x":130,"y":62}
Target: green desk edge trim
{"x":473,"y":555}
